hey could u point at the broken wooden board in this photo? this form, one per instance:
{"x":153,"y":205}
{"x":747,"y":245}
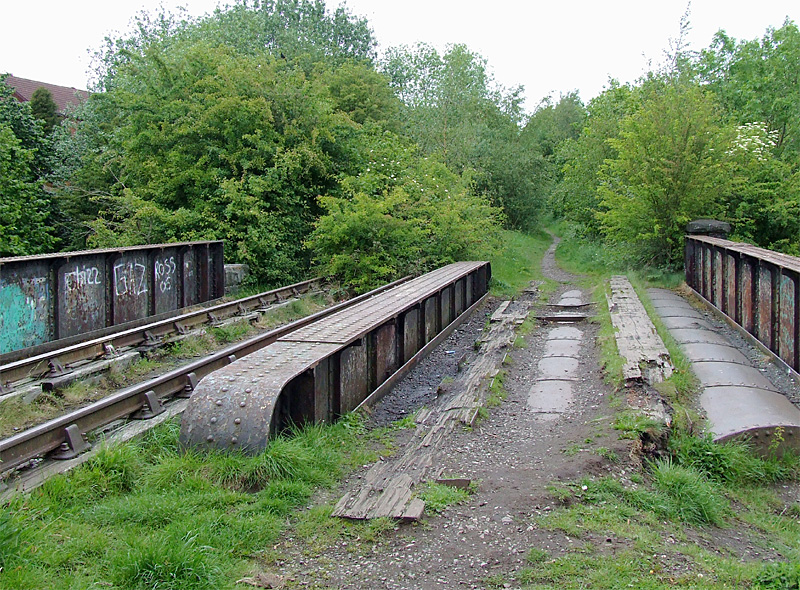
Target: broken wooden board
{"x":387,"y":488}
{"x":646,"y":358}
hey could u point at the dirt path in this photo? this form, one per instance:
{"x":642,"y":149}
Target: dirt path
{"x":513,"y":456}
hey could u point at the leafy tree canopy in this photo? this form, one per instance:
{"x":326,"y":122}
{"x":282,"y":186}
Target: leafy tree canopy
{"x":44,"y":108}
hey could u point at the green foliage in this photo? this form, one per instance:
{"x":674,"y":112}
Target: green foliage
{"x":23,"y":204}
{"x":404,"y":214}
{"x":453,"y":109}
{"x":757,"y":81}
{"x":151,"y":514}
{"x":778,"y":576}
{"x":575,"y":197}
{"x":732,"y":462}
{"x":714,"y":134}
{"x":302,"y":32}
{"x":517,"y":261}
{"x":25,"y":208}
{"x":363,"y":94}
{"x":44,"y":108}
{"x":12,"y":531}
{"x":667,"y":171}
{"x":691,"y":497}
{"x":438,"y":496}
{"x":166,"y":564}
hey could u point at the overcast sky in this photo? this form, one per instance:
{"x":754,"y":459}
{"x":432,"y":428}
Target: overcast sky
{"x":548,"y":47}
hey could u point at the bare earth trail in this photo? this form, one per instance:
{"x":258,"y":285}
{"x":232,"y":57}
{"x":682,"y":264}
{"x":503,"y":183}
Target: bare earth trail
{"x":555,"y":425}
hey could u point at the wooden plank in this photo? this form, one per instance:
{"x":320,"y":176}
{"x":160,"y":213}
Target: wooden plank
{"x":387,"y":489}
{"x":646,"y":357}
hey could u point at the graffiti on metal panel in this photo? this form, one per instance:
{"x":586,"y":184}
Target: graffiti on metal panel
{"x":130,"y":278}
{"x":23,"y":314}
{"x":88,"y":275}
{"x":165,"y":270}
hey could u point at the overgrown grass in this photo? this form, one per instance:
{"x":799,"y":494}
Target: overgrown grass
{"x":150,"y":514}
{"x":580,"y":255}
{"x":519,"y":262}
{"x":438,"y":496}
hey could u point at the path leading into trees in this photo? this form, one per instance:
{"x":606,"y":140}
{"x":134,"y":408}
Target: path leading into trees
{"x":556,"y":401}
{"x":555,"y":425}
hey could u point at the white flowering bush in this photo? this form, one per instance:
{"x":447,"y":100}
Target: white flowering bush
{"x":754,"y":140}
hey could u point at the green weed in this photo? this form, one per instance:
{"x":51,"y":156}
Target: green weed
{"x":632,"y":424}
{"x":518,"y":262}
{"x":231,"y":332}
{"x":12,"y":532}
{"x":607,"y":454}
{"x":437,"y":496}
{"x":691,"y":497}
{"x":536,"y":555}
{"x":779,"y":576}
{"x":732,"y":462}
{"x":166,"y":563}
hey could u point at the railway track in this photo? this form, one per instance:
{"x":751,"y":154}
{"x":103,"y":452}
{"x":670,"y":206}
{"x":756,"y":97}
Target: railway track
{"x":21,"y":369}
{"x":65,"y":437}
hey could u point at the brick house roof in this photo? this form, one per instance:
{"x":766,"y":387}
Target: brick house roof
{"x":62,"y":95}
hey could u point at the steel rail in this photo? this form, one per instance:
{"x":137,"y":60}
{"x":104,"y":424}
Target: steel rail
{"x":41,"y":364}
{"x":69,"y":429}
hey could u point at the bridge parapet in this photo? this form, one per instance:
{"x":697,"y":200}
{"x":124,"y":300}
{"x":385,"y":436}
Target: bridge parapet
{"x":755,"y":288}
{"x":51,"y":297}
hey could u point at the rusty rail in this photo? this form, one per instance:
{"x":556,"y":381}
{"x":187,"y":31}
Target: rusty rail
{"x":756,"y":289}
{"x":39,"y":365}
{"x":66,"y":433}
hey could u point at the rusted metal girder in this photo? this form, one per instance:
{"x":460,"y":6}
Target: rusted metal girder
{"x":754,"y":288}
{"x":58,"y":434}
{"x":55,"y":296}
{"x":326,"y":369}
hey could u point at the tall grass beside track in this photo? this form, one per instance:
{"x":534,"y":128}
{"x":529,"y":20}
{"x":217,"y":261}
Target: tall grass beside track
{"x":149,"y":514}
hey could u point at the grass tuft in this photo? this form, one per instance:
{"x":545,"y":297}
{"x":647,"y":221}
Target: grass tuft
{"x":166,"y":564}
{"x":438,"y":496}
{"x":691,"y":497}
{"x":731,"y":462}
{"x":779,"y":576}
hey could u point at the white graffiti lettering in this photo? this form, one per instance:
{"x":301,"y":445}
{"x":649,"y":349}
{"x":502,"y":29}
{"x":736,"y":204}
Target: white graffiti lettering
{"x":130,"y":278}
{"x":164,"y":271}
{"x":88,"y":275}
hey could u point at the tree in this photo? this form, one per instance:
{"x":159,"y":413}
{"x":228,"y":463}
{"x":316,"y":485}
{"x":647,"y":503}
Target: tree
{"x":454,"y":110}
{"x":403,"y":214}
{"x":668,"y":170}
{"x":575,"y":197}
{"x":759,"y":81}
{"x":44,"y":108}
{"x":23,"y":204}
{"x":25,"y":208}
